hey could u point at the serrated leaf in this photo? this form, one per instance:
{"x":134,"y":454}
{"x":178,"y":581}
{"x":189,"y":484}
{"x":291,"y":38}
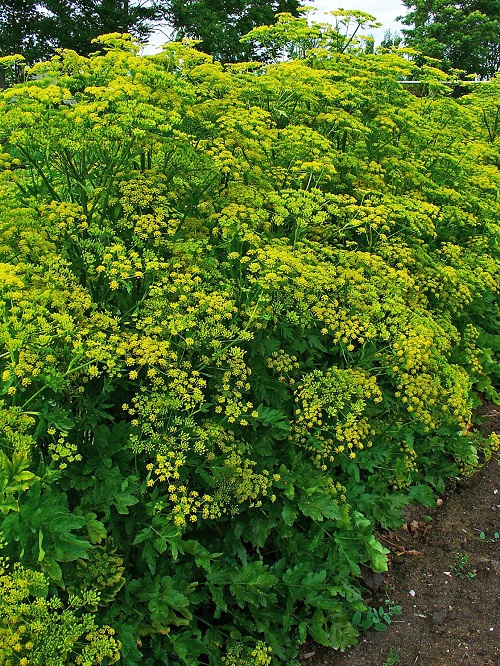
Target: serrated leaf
{"x":303,"y":632}
{"x":249,"y":584}
{"x":141,"y":536}
{"x":315,"y":342}
{"x":254,"y":574}
{"x":378,"y":554}
{"x":289,"y":514}
{"x":273,"y":417}
{"x":202,"y":556}
{"x":314,"y":579}
{"x":421,"y":494}
{"x":342,"y":635}
{"x":50,"y":567}
{"x":188,"y":647}
{"x":149,"y":554}
{"x":125,"y":499}
{"x":96,"y":530}
{"x":218,"y":599}
{"x":319,"y":507}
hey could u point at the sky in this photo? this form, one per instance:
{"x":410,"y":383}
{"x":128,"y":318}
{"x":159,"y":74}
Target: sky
{"x":385,"y":11}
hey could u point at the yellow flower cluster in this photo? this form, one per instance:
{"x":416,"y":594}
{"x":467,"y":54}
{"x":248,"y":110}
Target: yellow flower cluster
{"x":16,"y":429}
{"x":29,"y":620}
{"x":65,"y":218}
{"x":470,"y":351}
{"x":242,"y":655}
{"x":244,"y":484}
{"x":420,"y":394}
{"x":283,"y":364}
{"x":405,"y":466}
{"x":329,"y":413}
{"x":186,"y":505}
{"x":101,"y":647}
{"x":491,"y":445}
{"x":187,"y":389}
{"x":237,"y":219}
{"x":120,"y":265}
{"x":184,"y":309}
{"x":240,"y":484}
{"x":234,"y":383}
{"x":61,"y":450}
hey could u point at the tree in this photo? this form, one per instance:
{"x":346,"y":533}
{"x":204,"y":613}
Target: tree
{"x":464,"y":35}
{"x":74,"y":23}
{"x":391,"y":40}
{"x":220,"y":24}
{"x":18,"y":20}
{"x":36,"y":29}
{"x":292,"y":38}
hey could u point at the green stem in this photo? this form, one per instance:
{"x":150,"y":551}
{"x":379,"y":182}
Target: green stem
{"x":43,"y":388}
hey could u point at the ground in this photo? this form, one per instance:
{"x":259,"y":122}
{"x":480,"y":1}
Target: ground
{"x":445,"y":574}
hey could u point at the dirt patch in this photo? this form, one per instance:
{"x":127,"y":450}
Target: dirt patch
{"x":445,"y":574}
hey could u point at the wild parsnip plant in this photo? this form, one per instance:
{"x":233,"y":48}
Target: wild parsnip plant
{"x":243,"y":311}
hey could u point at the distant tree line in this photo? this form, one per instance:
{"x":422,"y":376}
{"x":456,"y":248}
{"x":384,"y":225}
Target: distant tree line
{"x":463,"y":35}
{"x":36,"y":29}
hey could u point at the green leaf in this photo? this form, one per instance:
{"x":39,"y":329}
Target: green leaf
{"x":378,"y":554}
{"x":149,"y":553}
{"x":249,"y":584}
{"x":315,"y":342}
{"x":319,"y":507}
{"x":289,"y":514}
{"x":50,"y":567}
{"x":421,"y":494}
{"x":202,"y":557}
{"x":95,"y":529}
{"x":142,"y":536}
{"x":273,"y":417}
{"x":41,"y":552}
{"x":59,"y":418}
{"x":314,"y":579}
{"x":188,"y":647}
{"x":123,"y":501}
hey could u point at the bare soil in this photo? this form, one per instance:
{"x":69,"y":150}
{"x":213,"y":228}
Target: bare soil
{"x":445,"y":573}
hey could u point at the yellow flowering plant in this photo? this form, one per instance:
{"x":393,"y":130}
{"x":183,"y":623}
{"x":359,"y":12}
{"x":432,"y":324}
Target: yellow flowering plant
{"x":243,"y":314}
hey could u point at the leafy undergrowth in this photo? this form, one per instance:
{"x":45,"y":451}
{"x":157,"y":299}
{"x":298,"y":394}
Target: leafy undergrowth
{"x":444,"y":573}
{"x":243,"y":309}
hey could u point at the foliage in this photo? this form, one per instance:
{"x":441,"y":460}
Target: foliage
{"x":391,"y":40}
{"x":460,"y":567}
{"x":219,"y":24}
{"x":464,"y":35}
{"x":243,"y":310}
{"x":379,"y":618}
{"x":36,"y":29}
{"x":292,"y":37}
{"x":38,"y":629}
{"x":18,"y":19}
{"x":392,"y":658}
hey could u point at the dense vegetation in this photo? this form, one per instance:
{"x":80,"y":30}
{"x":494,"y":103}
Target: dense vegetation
{"x":219,"y":24}
{"x":244,"y":311}
{"x":35,"y":29}
{"x":461,"y":35}
{"x":464,"y":35}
